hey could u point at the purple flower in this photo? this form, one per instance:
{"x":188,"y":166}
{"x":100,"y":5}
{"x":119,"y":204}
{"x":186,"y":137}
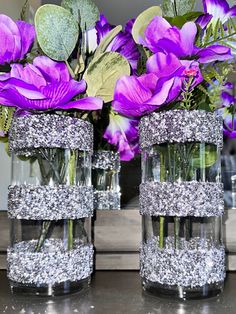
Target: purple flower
{"x":44,"y":85}
{"x":16,"y":39}
{"x":123,"y":43}
{"x":161,"y":36}
{"x":165,"y":80}
{"x":216,"y":10}
{"x":122,"y":132}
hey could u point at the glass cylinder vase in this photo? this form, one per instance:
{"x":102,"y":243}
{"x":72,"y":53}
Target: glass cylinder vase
{"x":50,"y":203}
{"x":105,"y":177}
{"x":181,"y":202}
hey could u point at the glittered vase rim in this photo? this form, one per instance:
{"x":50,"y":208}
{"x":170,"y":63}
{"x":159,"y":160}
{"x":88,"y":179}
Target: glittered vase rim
{"x":35,"y":131}
{"x":180,"y":126}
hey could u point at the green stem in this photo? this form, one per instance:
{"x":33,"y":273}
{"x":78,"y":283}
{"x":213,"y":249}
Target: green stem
{"x":161,"y":237}
{"x":70,"y":225}
{"x":44,"y":231}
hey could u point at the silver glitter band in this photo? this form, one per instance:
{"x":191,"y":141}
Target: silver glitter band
{"x":198,"y":199}
{"x":52,"y":265}
{"x":106,"y":160}
{"x":180,"y":126}
{"x":197,"y":263}
{"x":106,"y":200}
{"x":50,"y":202}
{"x":49,"y":131}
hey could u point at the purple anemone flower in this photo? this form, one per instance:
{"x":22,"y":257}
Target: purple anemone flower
{"x":122,"y":132}
{"x":16,"y":39}
{"x":44,"y":85}
{"x":165,"y":80}
{"x":161,"y":36}
{"x":216,"y":10}
{"x":123,"y":43}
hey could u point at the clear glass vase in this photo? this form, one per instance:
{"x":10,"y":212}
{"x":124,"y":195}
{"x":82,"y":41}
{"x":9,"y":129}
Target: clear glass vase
{"x":181,"y":200}
{"x":50,"y":202}
{"x":105,"y":177}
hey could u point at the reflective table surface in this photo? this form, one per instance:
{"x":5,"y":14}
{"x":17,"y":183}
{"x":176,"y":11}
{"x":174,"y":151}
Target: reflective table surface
{"x":116,"y":292}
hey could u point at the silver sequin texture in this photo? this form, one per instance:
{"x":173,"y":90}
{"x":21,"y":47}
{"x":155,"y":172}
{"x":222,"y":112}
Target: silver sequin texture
{"x":50,"y":202}
{"x":180,"y":126}
{"x":197,"y":263}
{"x":199,"y":199}
{"x":49,"y":131}
{"x":107,"y":200}
{"x":50,"y":266}
{"x":106,"y":160}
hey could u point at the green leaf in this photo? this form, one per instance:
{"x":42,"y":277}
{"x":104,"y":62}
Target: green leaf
{"x":143,"y":20}
{"x":103,"y":73}
{"x":85,"y":12}
{"x":6,"y":116}
{"x":24,"y":11}
{"x":177,"y":7}
{"x":107,"y":40}
{"x":57,"y":31}
{"x":191,"y":16}
{"x":178,"y":21}
{"x":205,"y":159}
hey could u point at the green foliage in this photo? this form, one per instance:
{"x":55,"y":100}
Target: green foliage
{"x":223,"y":34}
{"x":177,"y":7}
{"x":143,"y":20}
{"x":216,"y":77}
{"x":85,"y":12}
{"x":103,"y":73}
{"x":24,"y":11}
{"x":6,"y":115}
{"x":204,"y":158}
{"x":179,"y":21}
{"x":107,"y":40}
{"x":57,"y":31}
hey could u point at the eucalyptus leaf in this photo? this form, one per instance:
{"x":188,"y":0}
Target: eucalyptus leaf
{"x":177,"y":7}
{"x":103,"y":73}
{"x":143,"y":20}
{"x":107,"y":40}
{"x":85,"y":12}
{"x":57,"y":31}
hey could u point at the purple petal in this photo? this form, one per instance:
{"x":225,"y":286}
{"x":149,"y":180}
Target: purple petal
{"x":130,"y":96}
{"x":155,"y":31}
{"x":149,"y":81}
{"x":7,"y":44}
{"x":87,"y":103}
{"x":102,"y":28}
{"x":228,"y":99}
{"x":163,"y":65}
{"x":167,"y":91}
{"x":123,"y":133}
{"x":52,"y":71}
{"x":28,"y":35}
{"x":232,"y":11}
{"x":29,"y":74}
{"x":129,"y":25}
{"x":217,"y":8}
{"x":188,"y":34}
{"x":204,"y":20}
{"x":213,"y":53}
{"x":12,"y":27}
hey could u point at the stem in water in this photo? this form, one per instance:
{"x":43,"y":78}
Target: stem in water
{"x":45,"y":228}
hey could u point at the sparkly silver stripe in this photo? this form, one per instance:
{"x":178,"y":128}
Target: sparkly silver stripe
{"x":50,"y":131}
{"x":52,"y":265}
{"x":196,"y":264}
{"x":50,"y":203}
{"x":106,"y":160}
{"x":199,"y":199}
{"x":106,"y":200}
{"x":180,"y":126}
